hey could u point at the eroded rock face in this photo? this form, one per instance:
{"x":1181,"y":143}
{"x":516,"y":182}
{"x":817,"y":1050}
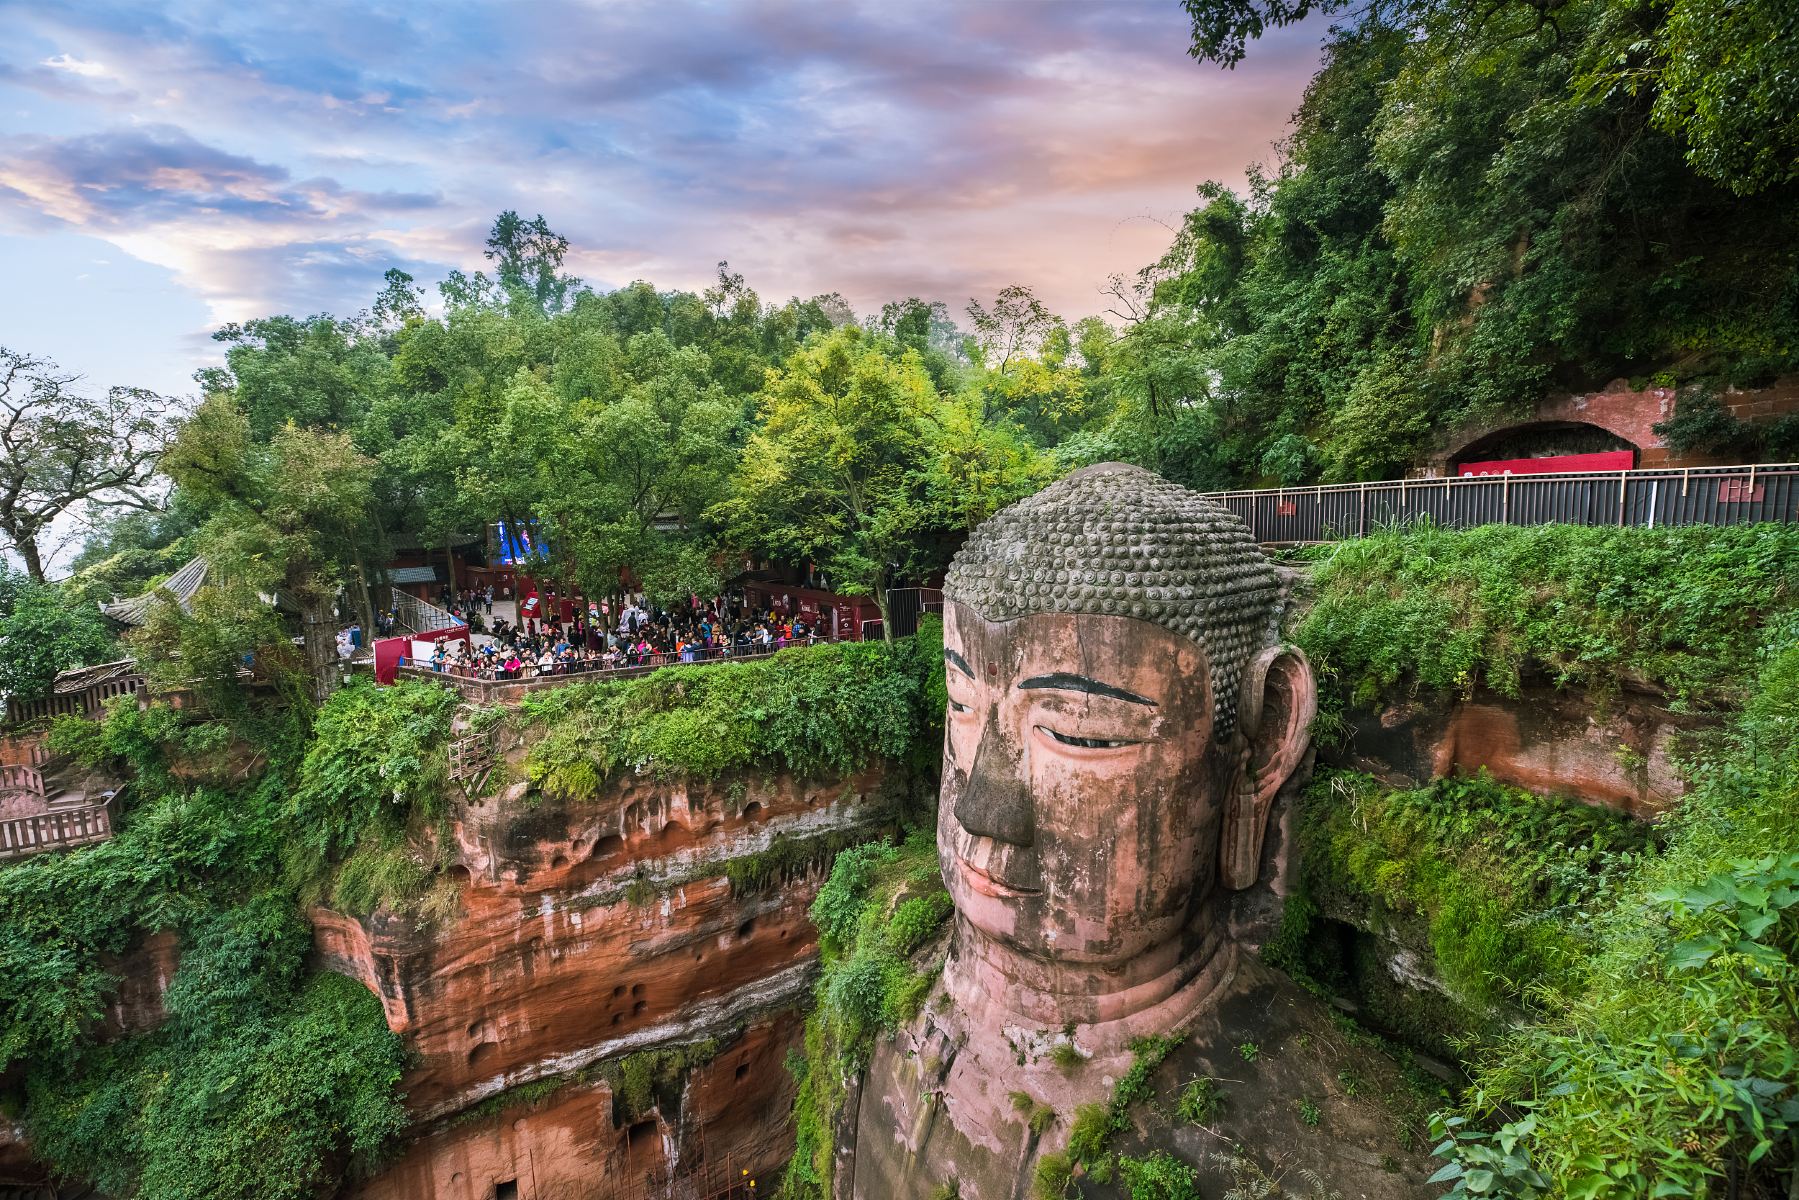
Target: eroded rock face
{"x":730,"y":1128}
{"x":589,"y":932}
{"x":1620,"y":755}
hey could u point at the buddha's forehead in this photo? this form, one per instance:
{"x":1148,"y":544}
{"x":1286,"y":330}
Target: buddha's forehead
{"x":1123,"y":652}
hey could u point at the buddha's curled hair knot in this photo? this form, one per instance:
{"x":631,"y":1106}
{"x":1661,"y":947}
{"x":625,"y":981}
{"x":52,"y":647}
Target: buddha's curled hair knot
{"x":1128,"y":543}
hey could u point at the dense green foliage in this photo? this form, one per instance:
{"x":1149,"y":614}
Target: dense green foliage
{"x":877,"y":914}
{"x":372,"y":789}
{"x":1656,"y":988}
{"x":823,"y":710}
{"x":266,"y":1081}
{"x":1685,"y":609}
{"x":43,"y":631}
{"x":258,"y":1085}
{"x":1489,"y":884}
{"x":1479,"y":202}
{"x":1681,"y":1024}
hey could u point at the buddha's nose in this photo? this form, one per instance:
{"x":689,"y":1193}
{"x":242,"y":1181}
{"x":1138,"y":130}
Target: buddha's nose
{"x":996,"y":802}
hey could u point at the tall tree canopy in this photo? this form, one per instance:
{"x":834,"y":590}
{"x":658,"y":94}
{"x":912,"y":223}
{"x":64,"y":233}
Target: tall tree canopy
{"x":61,"y":446}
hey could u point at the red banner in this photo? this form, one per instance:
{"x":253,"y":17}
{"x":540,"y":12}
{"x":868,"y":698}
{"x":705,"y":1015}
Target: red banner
{"x":1610,"y":460}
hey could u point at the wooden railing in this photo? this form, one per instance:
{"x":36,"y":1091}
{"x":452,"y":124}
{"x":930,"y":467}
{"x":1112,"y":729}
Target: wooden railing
{"x":17,"y":777}
{"x":1648,"y":498}
{"x":89,"y":702}
{"x":55,"y":830}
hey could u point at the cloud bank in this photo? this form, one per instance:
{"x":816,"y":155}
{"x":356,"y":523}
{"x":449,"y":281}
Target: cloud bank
{"x":278,"y":158}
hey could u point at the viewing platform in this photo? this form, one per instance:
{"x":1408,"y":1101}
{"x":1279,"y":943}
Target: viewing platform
{"x":47,"y":804}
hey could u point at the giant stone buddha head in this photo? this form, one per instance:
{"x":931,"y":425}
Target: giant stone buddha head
{"x":1121,"y":716}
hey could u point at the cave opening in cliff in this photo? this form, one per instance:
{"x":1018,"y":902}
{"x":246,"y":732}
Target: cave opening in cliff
{"x":506,"y":1189}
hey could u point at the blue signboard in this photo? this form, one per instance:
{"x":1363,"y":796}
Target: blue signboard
{"x":520,"y":546}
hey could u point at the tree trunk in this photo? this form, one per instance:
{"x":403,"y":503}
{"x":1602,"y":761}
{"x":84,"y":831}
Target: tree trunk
{"x":34,"y":565}
{"x":365,"y":607}
{"x":881,"y":604}
{"x":316,"y":628}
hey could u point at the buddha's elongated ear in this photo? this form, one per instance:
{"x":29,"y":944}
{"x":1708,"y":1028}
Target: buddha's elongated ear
{"x":1274,"y":716}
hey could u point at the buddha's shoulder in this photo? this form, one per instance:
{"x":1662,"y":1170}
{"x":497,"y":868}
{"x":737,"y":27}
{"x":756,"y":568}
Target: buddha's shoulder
{"x":1270,"y":1083}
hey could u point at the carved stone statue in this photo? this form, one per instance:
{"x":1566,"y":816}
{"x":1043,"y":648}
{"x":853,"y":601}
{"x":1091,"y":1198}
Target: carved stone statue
{"x":1121,"y":719}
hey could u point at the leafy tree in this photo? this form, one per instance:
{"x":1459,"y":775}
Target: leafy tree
{"x":317,"y":373}
{"x":287,"y":514}
{"x":60,"y":447}
{"x":47,"y":631}
{"x":527,"y":258}
{"x":1718,"y":72}
{"x":832,"y":474}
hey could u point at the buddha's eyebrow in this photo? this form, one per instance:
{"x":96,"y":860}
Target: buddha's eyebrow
{"x":950,"y":656}
{"x":1081,"y":683}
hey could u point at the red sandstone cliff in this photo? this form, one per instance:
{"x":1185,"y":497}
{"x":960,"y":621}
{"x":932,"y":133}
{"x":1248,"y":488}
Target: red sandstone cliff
{"x":588,"y":933}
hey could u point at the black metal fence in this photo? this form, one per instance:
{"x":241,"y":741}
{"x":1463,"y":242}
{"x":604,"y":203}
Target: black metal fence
{"x":1671,"y":496}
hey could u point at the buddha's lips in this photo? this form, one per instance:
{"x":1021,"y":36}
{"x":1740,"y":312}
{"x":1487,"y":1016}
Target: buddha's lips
{"x":987,"y":885}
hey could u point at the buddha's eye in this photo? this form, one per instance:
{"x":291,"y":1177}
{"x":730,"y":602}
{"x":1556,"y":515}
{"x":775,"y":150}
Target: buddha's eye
{"x":955,"y":707}
{"x":1087,"y":743}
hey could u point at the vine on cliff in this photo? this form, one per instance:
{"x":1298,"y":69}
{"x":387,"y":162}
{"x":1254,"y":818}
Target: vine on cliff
{"x":877,"y":915}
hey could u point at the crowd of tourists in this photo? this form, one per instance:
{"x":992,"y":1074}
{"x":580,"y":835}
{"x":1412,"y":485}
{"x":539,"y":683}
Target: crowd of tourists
{"x":641,"y":636}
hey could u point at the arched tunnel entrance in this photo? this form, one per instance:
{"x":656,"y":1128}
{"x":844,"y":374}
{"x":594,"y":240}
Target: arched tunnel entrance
{"x":1541,"y":446}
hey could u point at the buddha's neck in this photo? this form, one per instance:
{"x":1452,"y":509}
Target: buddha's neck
{"x":1155,"y":992}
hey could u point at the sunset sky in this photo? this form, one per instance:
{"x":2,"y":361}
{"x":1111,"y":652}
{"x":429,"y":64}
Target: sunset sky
{"x":167,"y":167}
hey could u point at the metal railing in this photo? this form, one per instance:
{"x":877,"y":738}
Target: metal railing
{"x":1645,"y":498}
{"x":55,"y":830}
{"x":415,"y":616}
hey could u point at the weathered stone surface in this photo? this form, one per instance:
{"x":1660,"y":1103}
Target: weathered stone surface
{"x":1549,"y":741}
{"x":589,"y":932}
{"x":937,"y":1104}
{"x":552,"y":966}
{"x":731,"y":1128}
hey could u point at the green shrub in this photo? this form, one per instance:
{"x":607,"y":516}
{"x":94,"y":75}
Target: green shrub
{"x":1158,"y":1176}
{"x":815,"y":712}
{"x":1200,"y":1101}
{"x":1053,"y":1176}
{"x":869,"y":984}
{"x":1089,"y":1132}
{"x":1594,"y":607}
{"x":917,"y":919}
